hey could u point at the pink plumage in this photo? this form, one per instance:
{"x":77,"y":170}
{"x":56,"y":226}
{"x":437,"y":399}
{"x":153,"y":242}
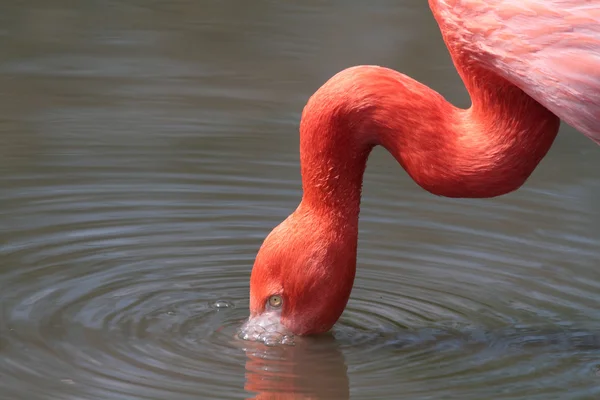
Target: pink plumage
{"x":550,"y":49}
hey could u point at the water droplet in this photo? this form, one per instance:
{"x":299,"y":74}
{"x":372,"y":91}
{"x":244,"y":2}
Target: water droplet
{"x":271,"y":340}
{"x":288,"y":340}
{"x":222,"y":304}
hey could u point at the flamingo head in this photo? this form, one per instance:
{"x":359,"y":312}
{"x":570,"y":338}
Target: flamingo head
{"x":301,"y":279}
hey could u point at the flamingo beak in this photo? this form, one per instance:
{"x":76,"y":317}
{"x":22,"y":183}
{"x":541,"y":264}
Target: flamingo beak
{"x":266,"y":328}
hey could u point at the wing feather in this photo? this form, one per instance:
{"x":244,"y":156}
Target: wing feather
{"x":548,"y":48}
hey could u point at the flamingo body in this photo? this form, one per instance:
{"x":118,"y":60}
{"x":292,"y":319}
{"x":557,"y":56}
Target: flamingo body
{"x":526,"y":64}
{"x":548,"y":48}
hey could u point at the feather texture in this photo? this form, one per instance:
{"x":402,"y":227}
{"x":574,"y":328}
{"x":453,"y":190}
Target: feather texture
{"x":550,"y":49}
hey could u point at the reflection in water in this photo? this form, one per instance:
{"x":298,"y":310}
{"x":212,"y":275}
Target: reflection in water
{"x":147,"y":148}
{"x":312,"y":369}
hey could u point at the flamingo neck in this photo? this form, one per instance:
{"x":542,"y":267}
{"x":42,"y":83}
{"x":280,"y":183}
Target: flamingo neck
{"x":487,"y":150}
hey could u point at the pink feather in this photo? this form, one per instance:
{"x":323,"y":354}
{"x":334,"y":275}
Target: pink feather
{"x":550,"y":49}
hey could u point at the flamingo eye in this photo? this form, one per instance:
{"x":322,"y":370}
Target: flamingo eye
{"x":275,"y":301}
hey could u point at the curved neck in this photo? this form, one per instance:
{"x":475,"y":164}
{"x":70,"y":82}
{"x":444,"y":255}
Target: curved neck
{"x":484,"y":151}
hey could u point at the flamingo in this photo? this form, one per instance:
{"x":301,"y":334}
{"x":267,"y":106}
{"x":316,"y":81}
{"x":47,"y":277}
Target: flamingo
{"x":527,"y":64}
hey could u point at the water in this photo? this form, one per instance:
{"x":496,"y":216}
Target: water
{"x":147,"y":148}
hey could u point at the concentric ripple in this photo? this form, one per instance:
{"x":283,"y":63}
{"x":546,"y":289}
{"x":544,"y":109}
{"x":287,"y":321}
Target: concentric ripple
{"x":128,"y":286}
{"x":121,"y":325}
{"x":134,"y":284}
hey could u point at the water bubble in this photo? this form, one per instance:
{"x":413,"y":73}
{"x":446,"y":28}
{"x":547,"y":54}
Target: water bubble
{"x":266,"y":330}
{"x":288,"y":340}
{"x":272,"y":340}
{"x":218,"y":304}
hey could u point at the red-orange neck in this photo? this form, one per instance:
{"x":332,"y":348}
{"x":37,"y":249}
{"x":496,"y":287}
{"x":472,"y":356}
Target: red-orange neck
{"x":487,"y":150}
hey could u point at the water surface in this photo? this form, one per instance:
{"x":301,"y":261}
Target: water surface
{"x":147,"y":148}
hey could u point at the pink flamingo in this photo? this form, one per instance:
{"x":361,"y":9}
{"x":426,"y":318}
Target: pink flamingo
{"x":526,"y":64}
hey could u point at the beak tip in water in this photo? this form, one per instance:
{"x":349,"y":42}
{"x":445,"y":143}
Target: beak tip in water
{"x":266,"y":328}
